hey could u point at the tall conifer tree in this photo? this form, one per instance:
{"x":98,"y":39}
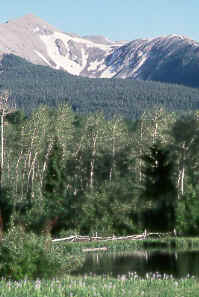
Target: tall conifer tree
{"x":54,"y":188}
{"x":159,"y":187}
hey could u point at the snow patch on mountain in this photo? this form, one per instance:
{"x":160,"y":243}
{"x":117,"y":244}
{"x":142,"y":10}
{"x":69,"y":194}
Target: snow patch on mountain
{"x":36,"y":29}
{"x":76,"y":54}
{"x":62,"y":62}
{"x":94,"y":65}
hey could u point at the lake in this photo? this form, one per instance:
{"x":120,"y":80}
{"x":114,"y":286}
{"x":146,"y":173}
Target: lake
{"x":176,"y":263}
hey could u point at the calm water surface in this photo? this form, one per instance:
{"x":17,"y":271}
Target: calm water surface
{"x":179,"y":264}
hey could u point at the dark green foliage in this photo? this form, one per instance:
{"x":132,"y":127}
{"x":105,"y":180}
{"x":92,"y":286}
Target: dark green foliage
{"x":189,"y":125}
{"x":53,"y":178}
{"x":158,"y":173}
{"x":188,"y":212}
{"x":6,"y":206}
{"x":110,"y":210}
{"x":28,"y":215}
{"x":159,"y":190}
{"x":24,"y":255}
{"x":54,"y":186}
{"x":184,"y":144}
{"x":16,"y":118}
{"x":60,"y":204}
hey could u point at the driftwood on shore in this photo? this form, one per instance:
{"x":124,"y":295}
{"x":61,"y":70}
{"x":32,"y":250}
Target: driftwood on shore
{"x":79,"y":238}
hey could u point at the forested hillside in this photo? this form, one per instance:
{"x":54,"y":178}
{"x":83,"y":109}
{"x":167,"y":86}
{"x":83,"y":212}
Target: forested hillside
{"x":31,"y":85}
{"x":62,"y":171}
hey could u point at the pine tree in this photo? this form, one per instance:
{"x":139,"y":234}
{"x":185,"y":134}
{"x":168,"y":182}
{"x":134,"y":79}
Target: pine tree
{"x":159,"y":187}
{"x":54,"y":186}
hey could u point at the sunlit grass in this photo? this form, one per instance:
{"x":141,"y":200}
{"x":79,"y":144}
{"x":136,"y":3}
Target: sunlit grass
{"x":125,"y":286}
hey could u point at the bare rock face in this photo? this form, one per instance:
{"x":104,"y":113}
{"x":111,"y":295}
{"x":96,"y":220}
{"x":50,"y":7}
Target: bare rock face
{"x":61,"y":47}
{"x":172,"y":58}
{"x":21,"y":37}
{"x":75,"y":52}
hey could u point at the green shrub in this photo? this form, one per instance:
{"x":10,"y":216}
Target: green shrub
{"x":26,"y":255}
{"x":6,"y":206}
{"x":187,"y":221}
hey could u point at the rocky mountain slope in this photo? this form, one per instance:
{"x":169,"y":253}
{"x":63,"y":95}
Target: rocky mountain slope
{"x":35,"y":40}
{"x":172,"y":58}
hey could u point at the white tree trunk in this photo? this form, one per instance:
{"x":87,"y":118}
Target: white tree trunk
{"x":92,"y":163}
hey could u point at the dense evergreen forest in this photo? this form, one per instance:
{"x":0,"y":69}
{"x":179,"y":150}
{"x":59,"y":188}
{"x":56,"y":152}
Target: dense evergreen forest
{"x":89,"y":173}
{"x":32,"y":85}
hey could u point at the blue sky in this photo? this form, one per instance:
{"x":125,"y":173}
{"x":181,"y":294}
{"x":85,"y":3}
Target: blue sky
{"x":115,"y":19}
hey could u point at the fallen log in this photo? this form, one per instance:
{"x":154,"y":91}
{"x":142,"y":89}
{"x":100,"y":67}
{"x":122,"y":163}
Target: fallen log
{"x":72,"y":238}
{"x":79,"y":238}
{"x":95,"y":249}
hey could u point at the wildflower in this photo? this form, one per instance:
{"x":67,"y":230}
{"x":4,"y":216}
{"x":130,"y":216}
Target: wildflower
{"x":176,"y":283}
{"x":123,"y":277}
{"x":37,"y":284}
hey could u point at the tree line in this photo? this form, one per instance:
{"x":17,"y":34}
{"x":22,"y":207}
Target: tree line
{"x":87,"y":173}
{"x":32,"y":85}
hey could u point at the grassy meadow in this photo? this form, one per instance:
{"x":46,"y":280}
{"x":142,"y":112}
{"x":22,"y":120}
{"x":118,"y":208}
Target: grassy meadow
{"x":151,"y":286}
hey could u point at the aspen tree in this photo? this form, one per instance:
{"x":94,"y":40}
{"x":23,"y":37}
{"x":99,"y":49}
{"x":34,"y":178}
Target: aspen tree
{"x":4,"y":110}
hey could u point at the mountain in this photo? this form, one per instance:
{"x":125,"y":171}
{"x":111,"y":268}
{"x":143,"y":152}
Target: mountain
{"x":173,"y":58}
{"x":40,"y":43}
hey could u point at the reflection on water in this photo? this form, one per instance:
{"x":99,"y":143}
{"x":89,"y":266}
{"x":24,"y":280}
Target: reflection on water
{"x":177,"y":263}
